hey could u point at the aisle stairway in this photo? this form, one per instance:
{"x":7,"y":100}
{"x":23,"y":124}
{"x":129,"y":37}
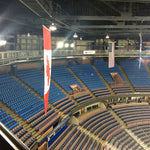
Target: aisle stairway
{"x":126,"y":78}
{"x":85,"y":87}
{"x":101,"y":77}
{"x":137,"y":139}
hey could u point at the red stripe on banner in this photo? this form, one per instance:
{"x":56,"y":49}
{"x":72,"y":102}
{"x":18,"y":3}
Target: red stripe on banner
{"x":47,"y":38}
{"x":46,"y":101}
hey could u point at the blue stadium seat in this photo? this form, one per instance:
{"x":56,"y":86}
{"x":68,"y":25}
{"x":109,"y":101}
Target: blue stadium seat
{"x":105,"y":71}
{"x":64,"y":77}
{"x":7,"y":120}
{"x":88,"y":76}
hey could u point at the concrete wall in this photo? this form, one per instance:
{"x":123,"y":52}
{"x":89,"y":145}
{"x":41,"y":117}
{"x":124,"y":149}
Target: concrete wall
{"x":5,"y":69}
{"x":32,"y":65}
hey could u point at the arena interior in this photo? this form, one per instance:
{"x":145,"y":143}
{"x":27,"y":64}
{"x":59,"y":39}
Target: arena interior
{"x":91,"y":105}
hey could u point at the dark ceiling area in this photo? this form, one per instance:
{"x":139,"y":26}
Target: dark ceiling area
{"x":91,"y":19}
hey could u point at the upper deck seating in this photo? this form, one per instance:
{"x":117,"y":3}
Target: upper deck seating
{"x":137,"y":76}
{"x":88,"y":76}
{"x":64,"y":77}
{"x":105,"y":71}
{"x":35,"y":79}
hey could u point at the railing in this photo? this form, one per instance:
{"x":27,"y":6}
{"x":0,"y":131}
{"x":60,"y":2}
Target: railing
{"x":11,"y":140}
{"x":9,"y":57}
{"x":108,"y":98}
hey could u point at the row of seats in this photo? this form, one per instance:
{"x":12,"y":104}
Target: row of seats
{"x":65,"y":105}
{"x":64,"y":77}
{"x":24,"y":135}
{"x":29,"y":107}
{"x":137,"y":76}
{"x":132,"y":112}
{"x":101,"y":124}
{"x":142,"y":131}
{"x":88,"y":76}
{"x":82,"y":97}
{"x":16,"y":129}
{"x":105,"y":71}
{"x":73,"y":138}
{"x":122,"y":140}
{"x":102,"y":92}
{"x":20,"y":99}
{"x":7,"y":120}
{"x":122,"y":90}
{"x":35,"y":80}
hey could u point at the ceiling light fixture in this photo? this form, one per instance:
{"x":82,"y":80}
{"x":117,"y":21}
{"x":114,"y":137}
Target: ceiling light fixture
{"x":3,"y":42}
{"x":66,"y":45}
{"x":107,"y":36}
{"x":53,"y":27}
{"x":72,"y":45}
{"x":28,"y":35}
{"x":75,"y":35}
{"x":60,"y":45}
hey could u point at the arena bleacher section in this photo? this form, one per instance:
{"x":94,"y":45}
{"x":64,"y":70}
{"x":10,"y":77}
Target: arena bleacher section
{"x":119,"y":125}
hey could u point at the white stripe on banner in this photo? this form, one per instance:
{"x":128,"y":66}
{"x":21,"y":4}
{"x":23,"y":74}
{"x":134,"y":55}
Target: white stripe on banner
{"x":47,"y":69}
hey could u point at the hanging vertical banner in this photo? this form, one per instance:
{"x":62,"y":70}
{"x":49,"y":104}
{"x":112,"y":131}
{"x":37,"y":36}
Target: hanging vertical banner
{"x":140,"y":53}
{"x":111,"y":53}
{"x":47,"y":65}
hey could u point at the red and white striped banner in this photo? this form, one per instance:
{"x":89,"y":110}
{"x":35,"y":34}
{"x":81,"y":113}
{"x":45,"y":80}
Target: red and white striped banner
{"x":47,"y":65}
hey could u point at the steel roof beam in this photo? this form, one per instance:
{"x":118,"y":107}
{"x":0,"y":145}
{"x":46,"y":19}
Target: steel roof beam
{"x":130,"y":1}
{"x":106,"y":18}
{"x":111,"y":26}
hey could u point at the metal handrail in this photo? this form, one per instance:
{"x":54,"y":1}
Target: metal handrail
{"x":8,"y":57}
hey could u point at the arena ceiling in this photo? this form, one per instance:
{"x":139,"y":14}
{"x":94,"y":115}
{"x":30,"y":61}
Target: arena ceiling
{"x":89,"y":18}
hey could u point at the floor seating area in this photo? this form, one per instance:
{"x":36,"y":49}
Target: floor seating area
{"x":137,"y":76}
{"x":64,"y":78}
